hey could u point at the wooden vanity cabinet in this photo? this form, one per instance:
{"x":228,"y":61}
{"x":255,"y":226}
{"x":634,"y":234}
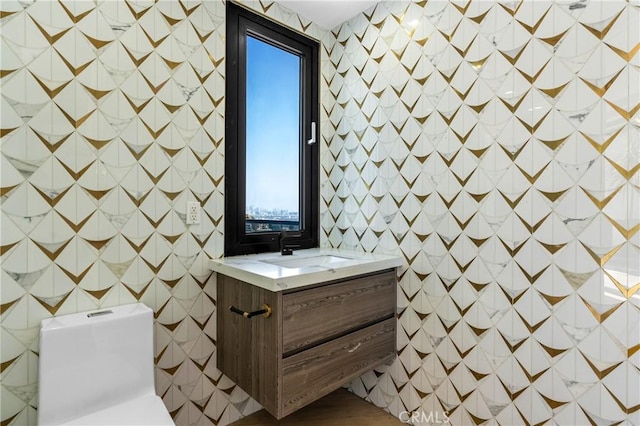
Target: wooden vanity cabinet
{"x":316,"y":339}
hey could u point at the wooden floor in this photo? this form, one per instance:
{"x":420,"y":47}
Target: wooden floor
{"x":336,"y":409}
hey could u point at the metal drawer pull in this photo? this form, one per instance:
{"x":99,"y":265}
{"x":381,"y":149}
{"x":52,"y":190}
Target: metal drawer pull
{"x":265,"y":311}
{"x":354,"y":348}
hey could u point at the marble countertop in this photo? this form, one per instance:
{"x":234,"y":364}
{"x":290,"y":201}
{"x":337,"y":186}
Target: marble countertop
{"x":275,"y":272}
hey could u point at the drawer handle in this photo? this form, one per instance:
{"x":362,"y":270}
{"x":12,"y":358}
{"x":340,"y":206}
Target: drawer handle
{"x":355,"y":348}
{"x":265,"y":311}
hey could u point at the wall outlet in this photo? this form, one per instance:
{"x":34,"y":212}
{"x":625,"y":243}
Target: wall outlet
{"x":193,"y":213}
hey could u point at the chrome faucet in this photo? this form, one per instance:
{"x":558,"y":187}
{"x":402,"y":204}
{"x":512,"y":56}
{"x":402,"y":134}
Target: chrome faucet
{"x":287,"y":241}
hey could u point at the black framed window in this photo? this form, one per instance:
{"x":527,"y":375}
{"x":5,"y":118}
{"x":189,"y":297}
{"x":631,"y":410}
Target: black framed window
{"x":271,"y":134}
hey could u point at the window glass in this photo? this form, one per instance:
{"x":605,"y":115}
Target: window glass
{"x":273,"y":129}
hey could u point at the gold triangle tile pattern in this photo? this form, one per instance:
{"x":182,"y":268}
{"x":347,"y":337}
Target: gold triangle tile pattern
{"x":493,"y":144}
{"x":92,"y":234}
{"x":499,"y":155}
{"x":112,"y":119}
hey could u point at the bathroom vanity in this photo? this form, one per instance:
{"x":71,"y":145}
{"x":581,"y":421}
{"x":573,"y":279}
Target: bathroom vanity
{"x":292,"y":329}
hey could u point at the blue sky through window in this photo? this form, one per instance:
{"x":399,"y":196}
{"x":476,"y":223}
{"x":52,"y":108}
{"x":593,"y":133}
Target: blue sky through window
{"x":273,"y":127}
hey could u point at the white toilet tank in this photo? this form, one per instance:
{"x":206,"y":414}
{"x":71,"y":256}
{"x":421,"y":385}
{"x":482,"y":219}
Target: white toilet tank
{"x":92,"y":362}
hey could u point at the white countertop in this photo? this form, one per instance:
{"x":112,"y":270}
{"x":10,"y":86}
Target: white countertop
{"x":302,"y":268}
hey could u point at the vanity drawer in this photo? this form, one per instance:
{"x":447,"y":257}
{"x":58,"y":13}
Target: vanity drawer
{"x":315,"y":372}
{"x":312,"y":316}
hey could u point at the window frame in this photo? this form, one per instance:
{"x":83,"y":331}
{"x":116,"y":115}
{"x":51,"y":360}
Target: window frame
{"x":240,"y":23}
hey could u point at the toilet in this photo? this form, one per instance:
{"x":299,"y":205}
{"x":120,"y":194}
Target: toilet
{"x":96,"y":368}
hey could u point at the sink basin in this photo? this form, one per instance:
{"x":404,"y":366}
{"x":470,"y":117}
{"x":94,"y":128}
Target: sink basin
{"x":301,"y":262}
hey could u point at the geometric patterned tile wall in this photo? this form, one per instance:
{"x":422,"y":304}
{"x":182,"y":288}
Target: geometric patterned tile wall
{"x":112,"y":118}
{"x":496,"y":145}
